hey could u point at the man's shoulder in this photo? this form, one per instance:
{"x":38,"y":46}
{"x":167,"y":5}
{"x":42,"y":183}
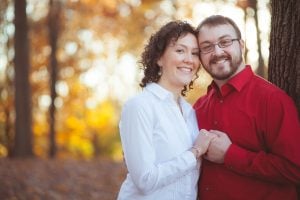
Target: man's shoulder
{"x":201,"y":101}
{"x":262,"y":89}
{"x":260,"y":84}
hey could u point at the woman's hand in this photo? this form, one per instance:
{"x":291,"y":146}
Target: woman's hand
{"x":202,"y":142}
{"x":218,"y":147}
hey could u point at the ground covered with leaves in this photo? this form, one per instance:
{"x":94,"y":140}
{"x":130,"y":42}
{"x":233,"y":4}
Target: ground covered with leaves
{"x":35,"y":179}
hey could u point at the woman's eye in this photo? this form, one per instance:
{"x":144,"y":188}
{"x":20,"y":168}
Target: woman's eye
{"x":179,"y":50}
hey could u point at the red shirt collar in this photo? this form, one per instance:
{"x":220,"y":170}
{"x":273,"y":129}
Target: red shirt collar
{"x":237,"y":82}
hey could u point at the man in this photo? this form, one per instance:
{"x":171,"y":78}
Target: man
{"x":256,"y":154}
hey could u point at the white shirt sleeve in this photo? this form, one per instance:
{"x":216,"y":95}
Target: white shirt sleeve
{"x":136,"y":130}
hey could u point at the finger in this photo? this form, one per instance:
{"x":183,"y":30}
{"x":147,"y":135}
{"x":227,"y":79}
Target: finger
{"x":206,"y":156}
{"x":204,"y":132}
{"x":216,"y":132}
{"x":212,"y":137}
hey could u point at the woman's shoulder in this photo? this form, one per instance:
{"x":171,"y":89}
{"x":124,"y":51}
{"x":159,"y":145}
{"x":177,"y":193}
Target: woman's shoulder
{"x":140,"y":100}
{"x":139,"y":106}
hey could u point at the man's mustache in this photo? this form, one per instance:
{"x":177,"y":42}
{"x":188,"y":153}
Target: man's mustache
{"x":215,"y":59}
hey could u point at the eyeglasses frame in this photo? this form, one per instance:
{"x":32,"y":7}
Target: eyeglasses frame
{"x":218,"y":43}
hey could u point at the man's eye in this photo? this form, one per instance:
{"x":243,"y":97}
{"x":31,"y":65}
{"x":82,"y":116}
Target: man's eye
{"x":225,"y":42}
{"x":207,"y":47}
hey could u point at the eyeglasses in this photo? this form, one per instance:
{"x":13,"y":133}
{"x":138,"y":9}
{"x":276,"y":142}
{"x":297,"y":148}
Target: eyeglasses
{"x":210,"y":47}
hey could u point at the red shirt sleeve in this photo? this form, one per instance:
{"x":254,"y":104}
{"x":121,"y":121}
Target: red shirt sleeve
{"x":281,"y":161}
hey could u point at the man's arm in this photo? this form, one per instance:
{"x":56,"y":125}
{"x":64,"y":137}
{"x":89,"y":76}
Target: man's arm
{"x":281,"y":163}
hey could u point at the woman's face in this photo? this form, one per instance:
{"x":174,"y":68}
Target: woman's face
{"x":179,"y":63}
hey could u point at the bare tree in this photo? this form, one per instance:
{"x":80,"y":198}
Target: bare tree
{"x":53,"y":24}
{"x":245,"y":4}
{"x":23,"y":135}
{"x":261,"y":66}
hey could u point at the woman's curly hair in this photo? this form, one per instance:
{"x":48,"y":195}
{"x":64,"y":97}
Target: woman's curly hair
{"x":156,"y":46}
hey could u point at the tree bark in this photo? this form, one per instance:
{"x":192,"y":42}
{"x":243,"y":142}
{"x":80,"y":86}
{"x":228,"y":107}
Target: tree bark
{"x":23,"y":132}
{"x":284,"y":59}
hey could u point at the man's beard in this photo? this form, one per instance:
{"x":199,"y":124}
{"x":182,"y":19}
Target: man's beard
{"x":233,"y":67}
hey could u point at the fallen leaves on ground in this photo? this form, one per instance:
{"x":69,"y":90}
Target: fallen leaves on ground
{"x":35,"y":179}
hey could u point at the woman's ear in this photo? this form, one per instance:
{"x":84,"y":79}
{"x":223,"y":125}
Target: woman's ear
{"x":159,"y":62}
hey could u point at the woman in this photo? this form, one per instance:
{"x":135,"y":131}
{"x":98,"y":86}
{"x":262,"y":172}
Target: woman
{"x":158,"y":128}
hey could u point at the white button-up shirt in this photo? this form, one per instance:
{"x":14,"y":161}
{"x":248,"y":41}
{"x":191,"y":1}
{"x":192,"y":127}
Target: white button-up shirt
{"x":156,"y":138}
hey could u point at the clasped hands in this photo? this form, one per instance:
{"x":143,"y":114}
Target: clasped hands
{"x":212,"y":145}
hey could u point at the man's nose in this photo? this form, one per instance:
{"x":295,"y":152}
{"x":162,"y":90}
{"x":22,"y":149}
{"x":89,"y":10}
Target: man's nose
{"x":217,"y":50}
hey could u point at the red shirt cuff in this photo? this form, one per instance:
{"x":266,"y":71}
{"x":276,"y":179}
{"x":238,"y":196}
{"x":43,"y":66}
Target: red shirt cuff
{"x":235,"y":157}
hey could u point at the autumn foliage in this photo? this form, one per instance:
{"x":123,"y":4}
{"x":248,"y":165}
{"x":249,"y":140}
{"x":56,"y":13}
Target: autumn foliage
{"x":97,"y":45}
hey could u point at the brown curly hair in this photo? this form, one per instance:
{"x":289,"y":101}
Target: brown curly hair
{"x":156,"y":46}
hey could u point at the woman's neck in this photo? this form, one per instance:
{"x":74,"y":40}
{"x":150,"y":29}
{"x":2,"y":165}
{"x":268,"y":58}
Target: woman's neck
{"x":176,"y":91}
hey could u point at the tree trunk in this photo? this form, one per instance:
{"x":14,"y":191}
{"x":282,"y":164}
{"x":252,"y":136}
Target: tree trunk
{"x":23,"y":132}
{"x":284,"y":59}
{"x":53,"y":35}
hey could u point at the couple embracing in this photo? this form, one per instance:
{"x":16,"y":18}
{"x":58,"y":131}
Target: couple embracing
{"x":239,"y":141}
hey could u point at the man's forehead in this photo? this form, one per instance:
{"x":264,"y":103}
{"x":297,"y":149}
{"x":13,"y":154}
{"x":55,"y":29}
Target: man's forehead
{"x":216,"y":27}
{"x":217,"y":31}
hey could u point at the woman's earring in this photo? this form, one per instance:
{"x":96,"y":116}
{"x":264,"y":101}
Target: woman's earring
{"x":159,"y":72}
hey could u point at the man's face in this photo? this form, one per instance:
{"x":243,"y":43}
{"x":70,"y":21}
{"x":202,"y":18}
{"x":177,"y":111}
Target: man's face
{"x":225,"y":61}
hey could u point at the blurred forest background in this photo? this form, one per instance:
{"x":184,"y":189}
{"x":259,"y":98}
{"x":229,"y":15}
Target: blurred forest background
{"x":82,"y":66}
{"x":67,"y":67}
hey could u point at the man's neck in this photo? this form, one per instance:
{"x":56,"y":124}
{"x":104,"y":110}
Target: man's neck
{"x":220,"y":83}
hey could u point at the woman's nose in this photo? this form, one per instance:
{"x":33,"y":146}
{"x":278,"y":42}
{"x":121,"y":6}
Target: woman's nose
{"x":188,"y":58}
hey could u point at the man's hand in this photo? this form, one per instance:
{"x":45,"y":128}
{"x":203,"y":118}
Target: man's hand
{"x":218,"y":147}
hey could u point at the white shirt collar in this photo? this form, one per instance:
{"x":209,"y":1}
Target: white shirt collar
{"x":158,"y":91}
{"x":163,"y":94}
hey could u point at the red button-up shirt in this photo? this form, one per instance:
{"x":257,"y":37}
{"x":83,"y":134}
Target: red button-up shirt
{"x":263,"y":161}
